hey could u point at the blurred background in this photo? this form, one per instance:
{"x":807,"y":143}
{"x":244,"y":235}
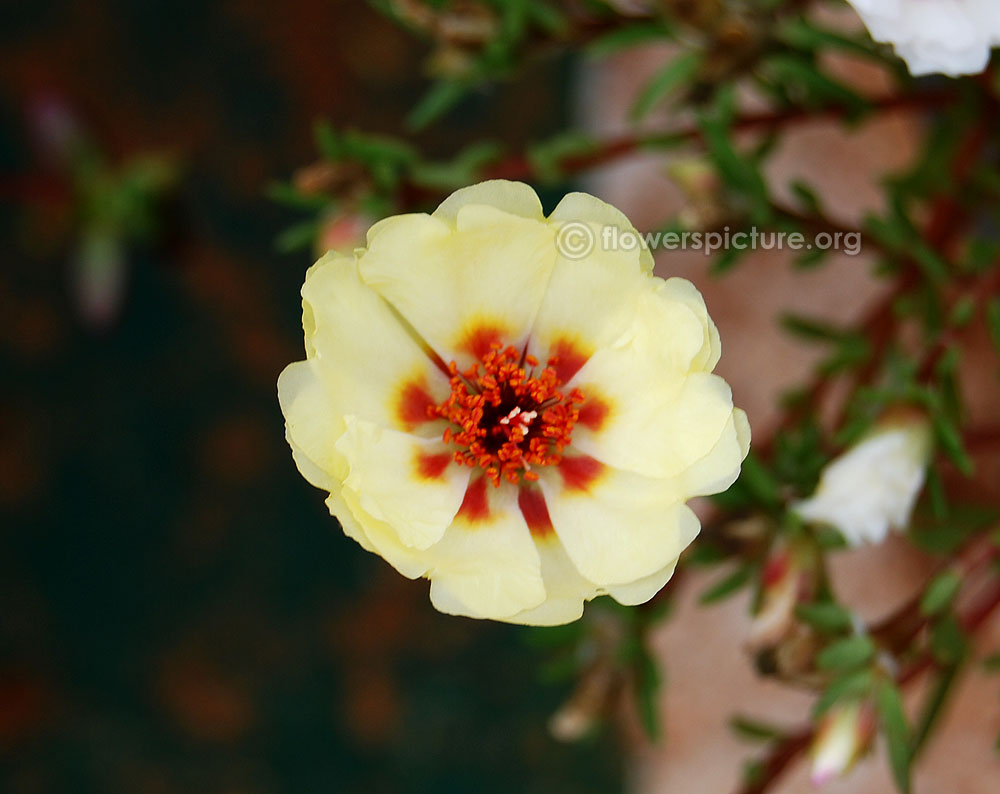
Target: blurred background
{"x":178,"y":613}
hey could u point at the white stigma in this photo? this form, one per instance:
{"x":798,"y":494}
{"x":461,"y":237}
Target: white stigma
{"x":524,"y":418}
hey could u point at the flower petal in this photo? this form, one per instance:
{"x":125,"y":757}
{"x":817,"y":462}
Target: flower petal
{"x":386,"y":474}
{"x":719,"y":469}
{"x":311,"y":426}
{"x":620,"y":527}
{"x":515,"y":198}
{"x":590,"y":305}
{"x":582,"y":207}
{"x":487,"y":565}
{"x":362,"y":352}
{"x":565,"y":589}
{"x":657,"y":424}
{"x":641,"y":590}
{"x":682,"y":291}
{"x":489,"y":273}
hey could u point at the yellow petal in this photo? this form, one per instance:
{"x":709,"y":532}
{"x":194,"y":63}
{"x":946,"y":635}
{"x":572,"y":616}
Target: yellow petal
{"x":386,"y":476}
{"x":487,"y":565}
{"x":657,"y":425}
{"x":312,"y":425}
{"x":515,"y":198}
{"x":719,"y":468}
{"x":682,"y":291}
{"x":582,"y":207}
{"x":463,"y":287}
{"x":361,"y":351}
{"x":380,"y":536}
{"x":565,"y":589}
{"x":590,"y":304}
{"x":641,"y":590}
{"x":618,"y":527}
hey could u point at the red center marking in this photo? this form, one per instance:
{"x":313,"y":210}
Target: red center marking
{"x":506,"y":419}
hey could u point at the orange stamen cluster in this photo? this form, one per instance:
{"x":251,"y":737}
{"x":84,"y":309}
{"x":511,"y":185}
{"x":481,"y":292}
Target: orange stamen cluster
{"x":506,"y":419}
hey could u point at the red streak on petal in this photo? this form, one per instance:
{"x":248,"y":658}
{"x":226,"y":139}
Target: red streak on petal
{"x":593,"y":413}
{"x":432,"y":466}
{"x":569,"y":358}
{"x":480,"y":340}
{"x":775,"y":569}
{"x":475,"y":505}
{"x":536,"y":514}
{"x":415,"y":403}
{"x":580,"y":472}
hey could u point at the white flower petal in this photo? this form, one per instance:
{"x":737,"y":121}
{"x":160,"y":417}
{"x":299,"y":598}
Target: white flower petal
{"x":873,"y":486}
{"x":951,"y":37}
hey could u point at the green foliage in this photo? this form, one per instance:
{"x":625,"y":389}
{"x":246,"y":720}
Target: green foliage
{"x":931,"y":240}
{"x":846,"y":654}
{"x":896,"y":732}
{"x":940,"y":593}
{"x":828,"y":617}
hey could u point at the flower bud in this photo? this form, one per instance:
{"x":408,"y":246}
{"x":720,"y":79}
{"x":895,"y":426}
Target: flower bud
{"x":874,"y":485}
{"x":845,"y":734}
{"x":787,"y":579}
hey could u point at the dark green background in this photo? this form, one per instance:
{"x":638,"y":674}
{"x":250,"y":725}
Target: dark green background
{"x":178,"y":613}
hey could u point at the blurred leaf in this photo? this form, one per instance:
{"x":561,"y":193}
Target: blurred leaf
{"x":647,"y":689}
{"x":739,"y":172}
{"x":894,"y":727}
{"x":963,"y":311}
{"x":283,"y":193}
{"x":806,"y":34}
{"x":827,"y":617}
{"x":948,"y":643}
{"x":850,"y":686}
{"x":727,"y":586}
{"x":755,"y":730}
{"x":627,"y":37}
{"x":678,"y":72}
{"x":933,"y":706}
{"x":327,"y":141}
{"x":547,"y":157}
{"x":993,"y":320}
{"x":759,"y":482}
{"x":813,"y":330}
{"x":547,"y":17}
{"x":817,"y":89}
{"x":299,"y":236}
{"x":992,"y":663}
{"x":846,"y":654}
{"x":807,"y":197}
{"x":950,"y":439}
{"x":940,"y":593}
{"x":441,"y":97}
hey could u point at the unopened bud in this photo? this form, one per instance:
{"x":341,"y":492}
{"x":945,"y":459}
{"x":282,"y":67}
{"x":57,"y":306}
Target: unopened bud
{"x":874,"y":485}
{"x":845,"y":734}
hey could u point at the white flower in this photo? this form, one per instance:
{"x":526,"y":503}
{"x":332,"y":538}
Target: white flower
{"x":874,"y":485}
{"x":951,"y":37}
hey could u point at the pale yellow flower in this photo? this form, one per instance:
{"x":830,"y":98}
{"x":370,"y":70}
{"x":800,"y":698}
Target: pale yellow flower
{"x":518,"y":419}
